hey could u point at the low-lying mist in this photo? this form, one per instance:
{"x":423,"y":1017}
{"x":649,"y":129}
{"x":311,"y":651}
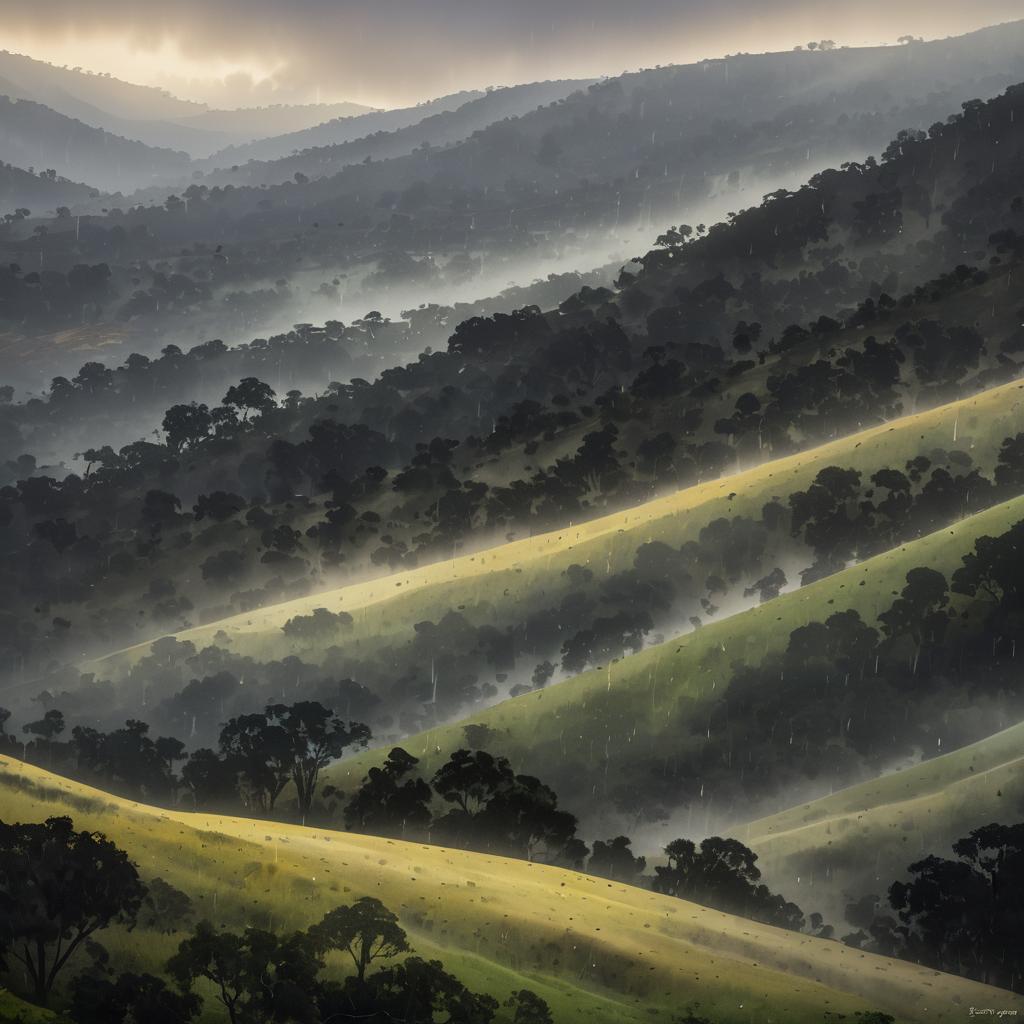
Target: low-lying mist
{"x":499,"y":285}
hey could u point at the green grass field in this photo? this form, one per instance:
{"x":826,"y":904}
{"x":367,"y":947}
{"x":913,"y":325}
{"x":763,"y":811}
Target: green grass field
{"x":508,"y":926}
{"x":597,"y":951}
{"x":583,"y":732}
{"x":503,"y":583}
{"x":817,"y":849}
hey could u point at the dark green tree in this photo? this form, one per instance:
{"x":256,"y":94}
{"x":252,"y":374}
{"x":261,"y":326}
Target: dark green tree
{"x":314,"y":737}
{"x":250,"y":395}
{"x":366,"y":930}
{"x":131,"y":999}
{"x":389,"y":803}
{"x":58,"y":887}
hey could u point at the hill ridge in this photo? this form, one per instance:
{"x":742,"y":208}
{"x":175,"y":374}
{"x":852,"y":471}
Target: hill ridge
{"x":680,"y":937}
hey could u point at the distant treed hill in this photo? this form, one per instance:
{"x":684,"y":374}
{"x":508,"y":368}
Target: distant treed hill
{"x":640,"y":147}
{"x":440,"y":129}
{"x":71,"y":91}
{"x":661,"y":137}
{"x":337,"y":131}
{"x":32,"y":135}
{"x":151,"y":115}
{"x":40,"y":192}
{"x":275,"y":119}
{"x":799,"y":320}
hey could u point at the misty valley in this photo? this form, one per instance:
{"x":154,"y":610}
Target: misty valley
{"x":549,"y":551}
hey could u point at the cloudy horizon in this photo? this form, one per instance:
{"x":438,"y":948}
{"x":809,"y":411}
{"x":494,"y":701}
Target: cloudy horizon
{"x":394,"y":53}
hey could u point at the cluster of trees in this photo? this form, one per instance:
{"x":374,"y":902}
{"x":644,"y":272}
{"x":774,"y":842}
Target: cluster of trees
{"x":515,"y":183}
{"x":61,"y":888}
{"x":844,"y":698}
{"x":633,"y":375}
{"x":490,"y":808}
{"x":723,"y":873}
{"x":485,"y":805}
{"x":77,"y":295}
{"x":493,"y":810}
{"x":840,"y":519}
{"x":960,"y":915}
{"x":258,"y":756}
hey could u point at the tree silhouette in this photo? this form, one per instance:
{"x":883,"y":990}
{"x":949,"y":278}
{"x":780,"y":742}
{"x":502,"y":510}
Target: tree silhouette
{"x":57,"y":888}
{"x":314,"y":738}
{"x":259,"y":976}
{"x":964,"y":915}
{"x":250,"y":395}
{"x":130,"y":998}
{"x":389,"y":804}
{"x":366,"y":930}
{"x":615,"y":859}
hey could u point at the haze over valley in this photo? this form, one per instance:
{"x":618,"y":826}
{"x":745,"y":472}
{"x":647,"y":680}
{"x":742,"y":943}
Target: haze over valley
{"x":488,"y":536}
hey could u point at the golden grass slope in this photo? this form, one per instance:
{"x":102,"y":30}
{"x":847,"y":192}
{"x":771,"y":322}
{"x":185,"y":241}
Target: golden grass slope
{"x":819,"y":847}
{"x":598,"y":951}
{"x":505,"y":581}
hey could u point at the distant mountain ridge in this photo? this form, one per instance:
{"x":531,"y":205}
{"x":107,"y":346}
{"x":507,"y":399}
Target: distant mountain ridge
{"x":438,"y":129}
{"x":154,"y":116}
{"x":34,"y":136}
{"x":339,"y":130}
{"x":38,"y":192}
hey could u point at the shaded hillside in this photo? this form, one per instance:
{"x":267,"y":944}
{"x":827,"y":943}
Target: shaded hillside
{"x":640,"y":148}
{"x":648,"y":739}
{"x":436,"y":129}
{"x":32,"y":135}
{"x":245,"y":124}
{"x":818,"y":848}
{"x":338,"y":131}
{"x":40,"y":191}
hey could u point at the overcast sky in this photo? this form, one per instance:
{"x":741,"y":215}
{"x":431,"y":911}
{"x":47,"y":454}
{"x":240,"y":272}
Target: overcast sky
{"x":395,"y":52}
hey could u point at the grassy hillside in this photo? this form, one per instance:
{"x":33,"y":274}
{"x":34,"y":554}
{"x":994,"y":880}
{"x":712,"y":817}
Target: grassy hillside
{"x":597,"y":951}
{"x":584,"y":734}
{"x":818,"y":847}
{"x":501,"y":582}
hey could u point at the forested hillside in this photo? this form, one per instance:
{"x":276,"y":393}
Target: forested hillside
{"x":635,"y":642}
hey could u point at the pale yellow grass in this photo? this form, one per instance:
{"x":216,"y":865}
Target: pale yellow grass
{"x":600,"y":951}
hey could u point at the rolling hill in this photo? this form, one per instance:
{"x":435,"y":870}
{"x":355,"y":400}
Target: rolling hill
{"x":150,"y":115}
{"x":337,"y":131}
{"x":19,"y":188}
{"x":437,"y":129}
{"x":585,"y":735}
{"x":613,"y":725}
{"x":32,"y":135}
{"x":815,"y":851}
{"x":594,"y":950}
{"x":500,"y":583}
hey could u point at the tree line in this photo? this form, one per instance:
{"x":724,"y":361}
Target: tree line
{"x":60,"y":889}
